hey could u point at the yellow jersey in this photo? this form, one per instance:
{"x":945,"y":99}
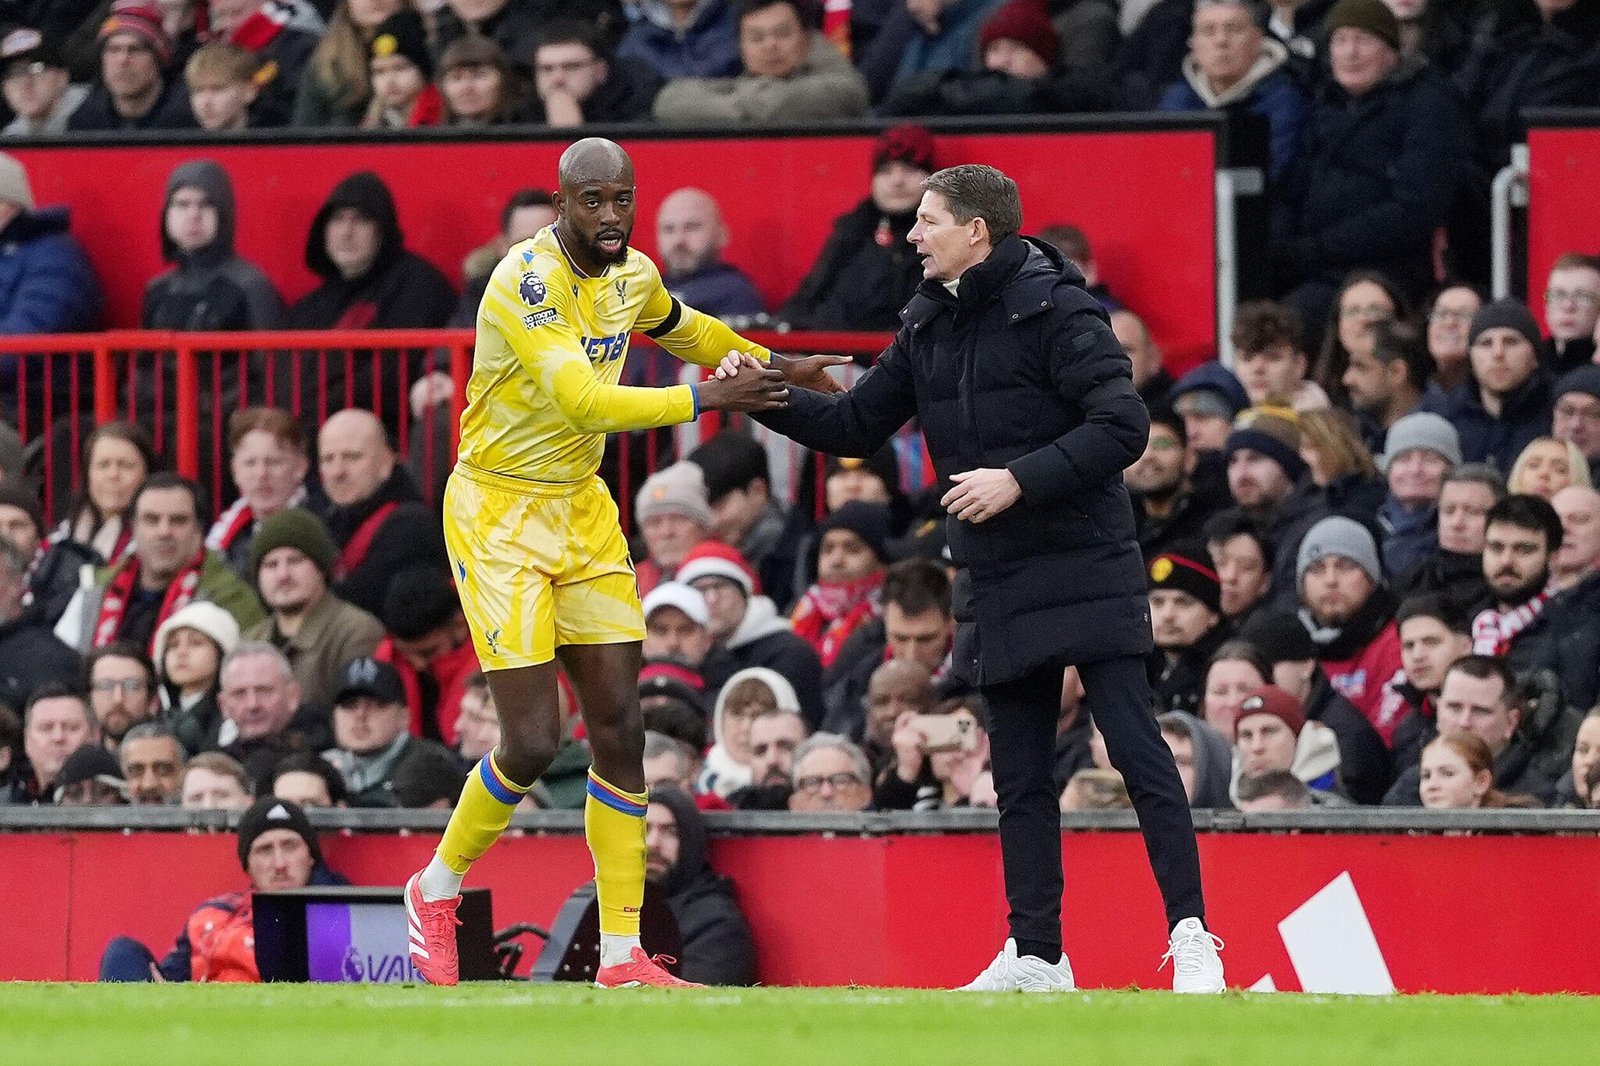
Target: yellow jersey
{"x":551,"y":342}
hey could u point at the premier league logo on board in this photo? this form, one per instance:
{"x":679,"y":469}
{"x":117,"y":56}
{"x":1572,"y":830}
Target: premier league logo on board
{"x":532,"y":289}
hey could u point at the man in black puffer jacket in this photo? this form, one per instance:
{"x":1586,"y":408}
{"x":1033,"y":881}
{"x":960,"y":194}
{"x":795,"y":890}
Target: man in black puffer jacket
{"x":1027,"y":403}
{"x":717,"y":949}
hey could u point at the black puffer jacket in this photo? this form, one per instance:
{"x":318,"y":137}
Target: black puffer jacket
{"x":1372,"y":181}
{"x":1020,"y":371}
{"x":717,"y":947}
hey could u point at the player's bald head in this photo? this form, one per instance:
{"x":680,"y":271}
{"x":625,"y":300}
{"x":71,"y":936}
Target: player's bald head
{"x":594,"y":160}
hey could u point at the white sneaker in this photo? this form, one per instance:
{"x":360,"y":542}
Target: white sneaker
{"x":1196,"y":966}
{"x":1010,"y":972}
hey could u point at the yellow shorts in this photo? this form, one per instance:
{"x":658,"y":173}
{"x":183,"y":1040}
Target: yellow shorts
{"x":538,"y":565}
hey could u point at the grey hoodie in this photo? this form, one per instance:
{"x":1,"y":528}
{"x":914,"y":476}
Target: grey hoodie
{"x":1213,"y":762}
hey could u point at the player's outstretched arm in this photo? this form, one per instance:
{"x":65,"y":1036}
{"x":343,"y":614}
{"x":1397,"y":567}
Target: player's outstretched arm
{"x":754,"y":390}
{"x":853,"y":423}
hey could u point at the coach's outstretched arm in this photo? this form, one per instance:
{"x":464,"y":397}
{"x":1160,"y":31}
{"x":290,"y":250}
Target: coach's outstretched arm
{"x":1089,"y":368}
{"x":854,"y":423}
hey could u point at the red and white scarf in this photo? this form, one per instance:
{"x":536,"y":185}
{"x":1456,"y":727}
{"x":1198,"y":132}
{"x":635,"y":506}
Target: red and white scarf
{"x":1493,"y":631}
{"x":114,"y":605}
{"x":240,"y":517}
{"x":831,"y":610}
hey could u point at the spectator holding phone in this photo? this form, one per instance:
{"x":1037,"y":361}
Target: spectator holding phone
{"x":937,"y":757}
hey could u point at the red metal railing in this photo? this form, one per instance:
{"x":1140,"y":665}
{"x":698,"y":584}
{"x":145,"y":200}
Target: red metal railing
{"x":181,"y":387}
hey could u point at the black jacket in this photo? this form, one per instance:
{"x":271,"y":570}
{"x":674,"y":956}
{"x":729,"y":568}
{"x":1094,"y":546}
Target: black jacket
{"x":1565,"y":639}
{"x":1186,"y":522}
{"x":171,"y":112}
{"x":1021,"y":371}
{"x":716,"y":943}
{"x":863,"y":276}
{"x":993,"y":92}
{"x":627,"y":95}
{"x":410,"y":535}
{"x":1181,"y":685}
{"x":30,"y":656}
{"x":1496,"y":439}
{"x":1287,"y":526}
{"x":400,"y":290}
{"x":1514,"y":774}
{"x":1364,"y":765}
{"x":1459,"y":578}
{"x":1372,"y":181}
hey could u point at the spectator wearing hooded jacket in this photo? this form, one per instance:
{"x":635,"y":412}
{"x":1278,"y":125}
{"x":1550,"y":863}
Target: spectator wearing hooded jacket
{"x":684,"y":38}
{"x":1505,"y":401}
{"x":716,"y":945}
{"x":1018,"y":74}
{"x":748,"y":626}
{"x":46,"y":283}
{"x":400,"y":66}
{"x":369,"y":281}
{"x":134,"y":92}
{"x":1204,"y":758}
{"x":790,"y":73}
{"x":867,"y":271}
{"x":1380,"y":162}
{"x":748,"y":695}
{"x":1233,"y":67}
{"x":278,"y":850}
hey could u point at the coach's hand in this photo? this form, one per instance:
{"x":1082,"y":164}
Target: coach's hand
{"x":979,"y":495}
{"x":811,"y":371}
{"x":743,"y":388}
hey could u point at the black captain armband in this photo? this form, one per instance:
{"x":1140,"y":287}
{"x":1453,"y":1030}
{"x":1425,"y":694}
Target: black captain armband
{"x":669,"y":323}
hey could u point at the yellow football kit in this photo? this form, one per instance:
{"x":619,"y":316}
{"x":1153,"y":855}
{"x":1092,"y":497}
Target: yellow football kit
{"x":535,"y":543}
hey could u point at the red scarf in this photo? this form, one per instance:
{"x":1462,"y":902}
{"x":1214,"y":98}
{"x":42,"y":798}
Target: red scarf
{"x":240,"y":517}
{"x":1493,"y":631}
{"x":836,"y":24}
{"x":831,"y":610}
{"x":355,"y":551}
{"x":114,"y":605}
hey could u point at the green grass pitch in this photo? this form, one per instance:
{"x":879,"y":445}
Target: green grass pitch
{"x":308,"y":1025}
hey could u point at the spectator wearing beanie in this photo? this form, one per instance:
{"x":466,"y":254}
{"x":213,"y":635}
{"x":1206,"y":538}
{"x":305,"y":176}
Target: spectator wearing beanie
{"x":1422,"y":449}
{"x":673,"y":516}
{"x":1505,"y":401}
{"x":1165,"y":509}
{"x":1272,"y":484}
{"x":1250,"y":82}
{"x":1576,"y":418}
{"x":291,"y":565}
{"x":1382,"y":155}
{"x":867,"y":271}
{"x":848,"y":567}
{"x":1208,"y":399}
{"x":278,"y":850}
{"x":1349,"y":613}
{"x":1186,"y":617}
{"x":1017,"y":74}
{"x":190,"y":676}
{"x":429,"y":645}
{"x":134,"y":91}
{"x":1365,"y":766}
{"x":746,"y":626}
{"x":401,"y":68}
{"x":1273,"y":733}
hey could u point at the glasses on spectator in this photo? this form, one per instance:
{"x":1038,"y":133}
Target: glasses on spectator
{"x":128,"y":686}
{"x":1444,"y":314}
{"x":571,"y":66}
{"x":839,"y":782}
{"x":1366,"y":311}
{"x":1582,"y":297}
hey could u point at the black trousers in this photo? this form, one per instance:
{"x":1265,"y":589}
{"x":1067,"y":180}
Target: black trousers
{"x":1022,"y":719}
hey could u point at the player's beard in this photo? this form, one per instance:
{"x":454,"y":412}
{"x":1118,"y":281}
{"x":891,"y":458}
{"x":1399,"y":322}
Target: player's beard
{"x":592,"y":248}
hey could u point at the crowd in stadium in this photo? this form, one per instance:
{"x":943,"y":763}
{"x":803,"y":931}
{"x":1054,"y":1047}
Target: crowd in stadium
{"x":1373,"y":545}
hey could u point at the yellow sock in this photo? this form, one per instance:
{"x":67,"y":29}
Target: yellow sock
{"x":481,"y":815}
{"x":613,"y":821}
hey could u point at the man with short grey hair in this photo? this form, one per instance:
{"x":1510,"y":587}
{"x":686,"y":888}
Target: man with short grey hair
{"x":668,"y":761}
{"x":830,"y":774}
{"x":263,"y":719}
{"x":152,"y":759}
{"x":1060,"y":420}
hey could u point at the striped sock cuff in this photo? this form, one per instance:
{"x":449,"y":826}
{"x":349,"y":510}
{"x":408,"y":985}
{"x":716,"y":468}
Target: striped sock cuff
{"x":499,"y":785}
{"x":629,"y":803}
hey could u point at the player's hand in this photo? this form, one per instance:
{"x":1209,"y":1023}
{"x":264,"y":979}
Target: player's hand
{"x":907,"y":742}
{"x":979,"y":495}
{"x":811,"y":371}
{"x":745,"y":388}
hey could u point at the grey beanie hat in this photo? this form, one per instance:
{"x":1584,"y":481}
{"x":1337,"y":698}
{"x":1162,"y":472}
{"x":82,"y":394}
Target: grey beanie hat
{"x":1422,"y":429}
{"x":1339,"y":536}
